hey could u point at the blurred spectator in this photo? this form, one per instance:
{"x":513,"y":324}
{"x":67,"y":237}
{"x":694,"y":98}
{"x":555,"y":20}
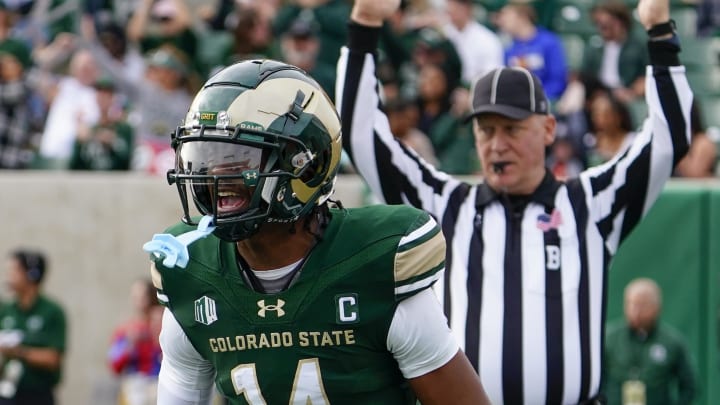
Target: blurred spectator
{"x":134,"y":355}
{"x":252,"y":32}
{"x":573,"y":108}
{"x":157,"y":106}
{"x":53,"y":59}
{"x":108,"y":145}
{"x":156,"y":23}
{"x":331,"y":17}
{"x":708,"y":18}
{"x":71,"y":101}
{"x":646,"y":361}
{"x":451,"y":137}
{"x":300,"y":46}
{"x":19,"y":23}
{"x":397,"y":40}
{"x":108,"y":43}
{"x":563,"y":161}
{"x":219,"y":18}
{"x":534,"y":48}
{"x":203,"y":12}
{"x":430,"y":48}
{"x":32,"y":335}
{"x":619,"y":60}
{"x":701,"y":159}
{"x":403,"y":116}
{"x":480,"y":49}
{"x":103,"y":11}
{"x":250,"y":24}
{"x":19,"y":129}
{"x":612,"y":130}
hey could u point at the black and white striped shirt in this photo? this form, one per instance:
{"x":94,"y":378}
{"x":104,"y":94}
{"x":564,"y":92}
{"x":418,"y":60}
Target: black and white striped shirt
{"x":524,"y":290}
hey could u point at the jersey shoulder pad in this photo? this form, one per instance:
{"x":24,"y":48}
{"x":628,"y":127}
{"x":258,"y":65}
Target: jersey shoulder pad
{"x":203,"y":258}
{"x":420,"y":256}
{"x":179,"y":228}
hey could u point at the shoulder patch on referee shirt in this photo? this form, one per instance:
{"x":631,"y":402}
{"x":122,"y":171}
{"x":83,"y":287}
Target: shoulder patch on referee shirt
{"x":420,"y":258}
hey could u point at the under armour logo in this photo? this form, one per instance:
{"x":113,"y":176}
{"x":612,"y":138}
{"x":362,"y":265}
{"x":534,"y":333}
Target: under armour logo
{"x":272,"y":307}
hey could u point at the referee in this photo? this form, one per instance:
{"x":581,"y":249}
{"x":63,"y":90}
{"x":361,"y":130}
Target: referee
{"x":527,"y":255}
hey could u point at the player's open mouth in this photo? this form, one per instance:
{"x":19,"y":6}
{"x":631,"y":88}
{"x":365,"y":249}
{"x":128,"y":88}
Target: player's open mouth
{"x":230,"y":201}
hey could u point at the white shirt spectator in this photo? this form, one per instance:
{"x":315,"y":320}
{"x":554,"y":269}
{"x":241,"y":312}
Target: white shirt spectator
{"x":609,"y":73}
{"x":74,"y":101}
{"x":480,"y":49}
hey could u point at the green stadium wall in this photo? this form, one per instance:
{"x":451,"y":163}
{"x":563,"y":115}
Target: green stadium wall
{"x":678,"y":245}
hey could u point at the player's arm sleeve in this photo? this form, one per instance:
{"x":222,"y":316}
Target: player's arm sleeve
{"x":157,"y":282}
{"x":420,"y":257}
{"x":419,"y":336}
{"x":185,"y":377}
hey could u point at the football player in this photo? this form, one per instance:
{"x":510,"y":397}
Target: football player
{"x":278,"y":295}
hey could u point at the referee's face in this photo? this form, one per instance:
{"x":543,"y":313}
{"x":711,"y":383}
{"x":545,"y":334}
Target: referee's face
{"x":512,"y":152}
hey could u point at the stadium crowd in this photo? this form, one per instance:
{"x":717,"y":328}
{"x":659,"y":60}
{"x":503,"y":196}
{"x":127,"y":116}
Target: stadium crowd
{"x":101,"y":84}
{"x":102,"y":89}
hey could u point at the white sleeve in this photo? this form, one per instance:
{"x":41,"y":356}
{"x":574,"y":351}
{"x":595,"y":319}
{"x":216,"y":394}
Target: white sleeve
{"x":185,"y":377}
{"x":419,"y":337}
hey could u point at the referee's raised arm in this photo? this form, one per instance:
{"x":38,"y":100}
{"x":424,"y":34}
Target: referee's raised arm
{"x":623,"y":190}
{"x":527,"y":255}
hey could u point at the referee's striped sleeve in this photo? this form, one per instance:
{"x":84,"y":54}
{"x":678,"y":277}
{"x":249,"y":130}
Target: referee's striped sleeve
{"x":420,"y":257}
{"x":621,"y":191}
{"x":371,"y":146}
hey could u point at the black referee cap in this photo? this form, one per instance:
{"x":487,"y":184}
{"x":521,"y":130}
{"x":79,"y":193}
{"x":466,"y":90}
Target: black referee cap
{"x":512,"y":92}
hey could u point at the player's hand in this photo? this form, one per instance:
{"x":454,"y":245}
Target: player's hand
{"x":652,"y":12}
{"x":373,"y":12}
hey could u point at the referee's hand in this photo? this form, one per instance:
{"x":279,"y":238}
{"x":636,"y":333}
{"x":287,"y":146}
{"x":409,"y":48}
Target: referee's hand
{"x":653,"y":12}
{"x":373,"y":12}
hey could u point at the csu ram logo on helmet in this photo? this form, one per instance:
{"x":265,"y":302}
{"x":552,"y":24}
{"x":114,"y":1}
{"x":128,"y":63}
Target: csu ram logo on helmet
{"x":260,"y":144}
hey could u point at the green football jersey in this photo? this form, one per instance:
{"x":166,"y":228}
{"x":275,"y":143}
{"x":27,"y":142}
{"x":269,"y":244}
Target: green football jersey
{"x":323,"y":340}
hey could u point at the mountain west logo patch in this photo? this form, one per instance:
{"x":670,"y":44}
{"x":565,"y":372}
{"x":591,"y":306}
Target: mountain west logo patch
{"x":205,"y":311}
{"x":271,"y":307}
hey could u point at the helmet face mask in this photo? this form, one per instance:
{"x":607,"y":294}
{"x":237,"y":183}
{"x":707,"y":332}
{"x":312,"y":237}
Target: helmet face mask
{"x":260,"y":144}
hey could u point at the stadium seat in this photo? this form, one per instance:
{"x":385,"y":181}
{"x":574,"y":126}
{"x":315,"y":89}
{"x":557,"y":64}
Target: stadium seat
{"x":710,"y":109}
{"x":686,"y":21}
{"x":705,"y":82}
{"x":638,"y":112}
{"x":574,"y":46}
{"x":491,"y":5}
{"x":213,"y":48}
{"x":683,"y":3}
{"x":700,"y":53}
{"x":574,"y":18}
